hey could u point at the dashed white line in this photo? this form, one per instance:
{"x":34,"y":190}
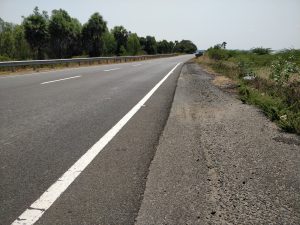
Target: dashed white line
{"x":111,"y":69}
{"x":38,"y":208}
{"x":68,"y":78}
{"x":137,"y":65}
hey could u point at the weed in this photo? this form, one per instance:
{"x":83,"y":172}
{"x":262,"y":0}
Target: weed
{"x":282,"y":69}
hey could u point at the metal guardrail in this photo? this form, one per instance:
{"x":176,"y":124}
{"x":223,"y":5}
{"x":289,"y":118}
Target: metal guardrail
{"x":100,"y":60}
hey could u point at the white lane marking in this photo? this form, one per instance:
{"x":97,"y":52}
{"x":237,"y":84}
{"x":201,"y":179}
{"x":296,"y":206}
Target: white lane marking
{"x":111,"y":69}
{"x":137,"y":65}
{"x":52,"y":81}
{"x":37,"y":209}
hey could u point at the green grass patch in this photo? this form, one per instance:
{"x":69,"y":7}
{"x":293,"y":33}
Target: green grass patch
{"x":273,"y":107}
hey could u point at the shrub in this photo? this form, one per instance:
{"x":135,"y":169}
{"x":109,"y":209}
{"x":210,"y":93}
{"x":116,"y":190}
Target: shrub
{"x":218,"y":53}
{"x":245,"y":69}
{"x":271,"y":106}
{"x":4,"y":58}
{"x":281,"y":69}
{"x":261,"y":51}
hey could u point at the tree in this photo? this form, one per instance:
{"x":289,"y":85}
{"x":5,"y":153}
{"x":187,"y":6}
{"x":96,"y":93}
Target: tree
{"x":92,"y":35}
{"x":217,"y":46}
{"x":123,"y":51}
{"x":36,"y":32}
{"x":75,"y":47}
{"x":223,"y":45}
{"x":143,"y":44}
{"x":22,"y":48}
{"x":151,"y":45}
{"x":13,"y":44}
{"x":171,"y":46}
{"x":109,"y":44}
{"x":133,"y":44}
{"x":164,"y":47}
{"x":185,"y":46}
{"x":261,"y":51}
{"x":64,"y":34}
{"x":6,"y":39}
{"x":121,"y":37}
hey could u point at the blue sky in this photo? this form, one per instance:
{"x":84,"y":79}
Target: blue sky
{"x":243,"y":24}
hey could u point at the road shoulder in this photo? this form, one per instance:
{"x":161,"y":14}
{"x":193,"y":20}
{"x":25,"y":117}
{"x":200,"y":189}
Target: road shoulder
{"x":220,"y":162}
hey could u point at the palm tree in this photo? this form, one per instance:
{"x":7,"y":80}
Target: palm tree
{"x":223,"y":45}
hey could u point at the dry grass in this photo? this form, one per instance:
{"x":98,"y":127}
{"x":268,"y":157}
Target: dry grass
{"x":263,"y":72}
{"x":222,"y":81}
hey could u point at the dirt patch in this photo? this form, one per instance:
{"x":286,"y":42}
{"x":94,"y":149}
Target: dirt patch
{"x":226,"y":84}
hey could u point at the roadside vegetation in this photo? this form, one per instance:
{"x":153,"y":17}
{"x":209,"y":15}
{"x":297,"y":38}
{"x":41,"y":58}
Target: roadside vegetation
{"x":267,"y":79}
{"x":41,"y":36}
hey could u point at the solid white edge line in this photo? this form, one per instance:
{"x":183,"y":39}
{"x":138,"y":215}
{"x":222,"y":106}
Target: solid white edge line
{"x":43,"y":203}
{"x":52,"y":81}
{"x":111,"y":69}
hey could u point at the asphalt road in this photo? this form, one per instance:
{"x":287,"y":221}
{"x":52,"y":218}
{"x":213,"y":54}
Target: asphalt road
{"x":50,"y":119}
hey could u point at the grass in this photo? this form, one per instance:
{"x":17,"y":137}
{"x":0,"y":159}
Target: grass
{"x":280,"y":101}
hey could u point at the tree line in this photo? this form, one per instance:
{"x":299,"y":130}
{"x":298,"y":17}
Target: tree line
{"x":41,"y":36}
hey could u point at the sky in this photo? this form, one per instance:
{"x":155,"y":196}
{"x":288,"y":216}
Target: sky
{"x":243,"y":24}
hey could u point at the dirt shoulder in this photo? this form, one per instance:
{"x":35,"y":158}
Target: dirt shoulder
{"x":220,"y":161}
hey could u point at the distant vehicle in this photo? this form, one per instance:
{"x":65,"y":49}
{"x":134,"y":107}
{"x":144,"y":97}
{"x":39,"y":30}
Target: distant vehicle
{"x":199,"y":53}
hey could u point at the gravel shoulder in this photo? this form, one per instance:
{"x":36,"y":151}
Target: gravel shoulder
{"x":220,"y":161}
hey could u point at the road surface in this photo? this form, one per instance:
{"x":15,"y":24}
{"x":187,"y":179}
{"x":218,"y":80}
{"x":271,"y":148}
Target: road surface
{"x":50,"y":120}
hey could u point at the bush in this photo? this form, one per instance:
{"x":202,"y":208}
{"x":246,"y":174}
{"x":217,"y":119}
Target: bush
{"x":274,"y":108}
{"x":218,"y":53}
{"x":245,"y":69}
{"x":290,"y":122}
{"x":261,"y":51}
{"x":282,"y":69}
{"x":4,"y":58}
{"x":271,"y":106}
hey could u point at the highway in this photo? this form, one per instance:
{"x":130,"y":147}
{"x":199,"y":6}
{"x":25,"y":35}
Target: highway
{"x":51,"y":120}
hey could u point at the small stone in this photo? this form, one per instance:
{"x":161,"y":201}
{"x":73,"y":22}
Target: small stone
{"x":249,"y":77}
